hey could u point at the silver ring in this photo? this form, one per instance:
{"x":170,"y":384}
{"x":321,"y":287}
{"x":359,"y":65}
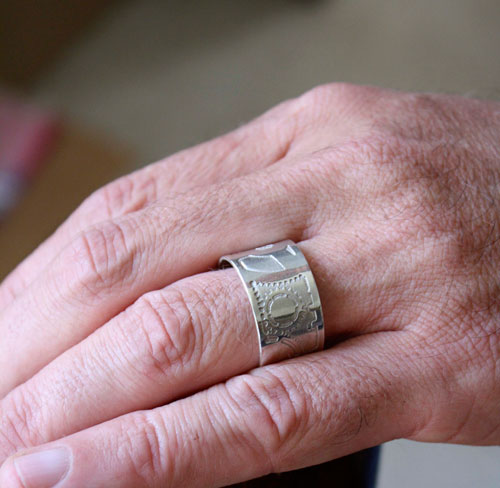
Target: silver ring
{"x":284,"y":297}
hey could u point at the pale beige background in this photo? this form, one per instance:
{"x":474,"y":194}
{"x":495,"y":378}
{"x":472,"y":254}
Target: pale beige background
{"x":165,"y":74}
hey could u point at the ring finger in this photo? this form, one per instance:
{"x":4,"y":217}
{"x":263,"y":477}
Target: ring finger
{"x":195,"y":333}
{"x":108,"y":267}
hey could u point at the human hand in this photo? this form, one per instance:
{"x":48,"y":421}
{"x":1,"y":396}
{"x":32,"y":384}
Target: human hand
{"x":117,"y":333}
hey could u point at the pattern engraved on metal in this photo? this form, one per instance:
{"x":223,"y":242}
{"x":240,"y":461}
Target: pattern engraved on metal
{"x":261,"y":264}
{"x":284,"y":297}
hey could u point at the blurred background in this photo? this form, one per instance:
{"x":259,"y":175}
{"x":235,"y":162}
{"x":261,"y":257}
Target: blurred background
{"x":91,"y":89}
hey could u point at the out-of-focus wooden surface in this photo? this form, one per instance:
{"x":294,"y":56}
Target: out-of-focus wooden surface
{"x":81,"y":162}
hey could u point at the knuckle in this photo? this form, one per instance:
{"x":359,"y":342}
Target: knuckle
{"x":340,"y":97}
{"x":16,"y":422}
{"x":124,"y":195}
{"x":169,"y":333}
{"x":330,"y":91}
{"x":142,"y":449}
{"x":196,"y":172}
{"x":174,"y":215}
{"x":222,"y":147}
{"x":9,"y":289}
{"x":275,"y":407}
{"x":362,"y":163}
{"x":315,"y":211}
{"x":101,"y":256}
{"x":317,"y":103}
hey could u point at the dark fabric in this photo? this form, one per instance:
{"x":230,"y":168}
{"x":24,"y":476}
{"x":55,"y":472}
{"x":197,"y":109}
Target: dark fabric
{"x":358,"y":470}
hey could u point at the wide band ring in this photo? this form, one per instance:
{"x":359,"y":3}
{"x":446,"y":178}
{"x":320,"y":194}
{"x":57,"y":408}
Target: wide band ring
{"x":284,"y":298}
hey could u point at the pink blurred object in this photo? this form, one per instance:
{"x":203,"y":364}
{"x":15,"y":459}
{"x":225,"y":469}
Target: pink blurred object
{"x":27,"y":136}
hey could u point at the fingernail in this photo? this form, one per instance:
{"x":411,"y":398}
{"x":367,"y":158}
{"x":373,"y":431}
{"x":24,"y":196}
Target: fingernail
{"x":43,"y":469}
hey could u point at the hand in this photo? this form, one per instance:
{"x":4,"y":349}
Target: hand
{"x":118,"y":334}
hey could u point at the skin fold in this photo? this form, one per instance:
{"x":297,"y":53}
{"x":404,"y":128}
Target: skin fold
{"x":127,"y":351}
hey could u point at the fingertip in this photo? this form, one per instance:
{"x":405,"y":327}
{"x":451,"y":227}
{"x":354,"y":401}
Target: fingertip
{"x":8,"y":475}
{"x":38,"y":468}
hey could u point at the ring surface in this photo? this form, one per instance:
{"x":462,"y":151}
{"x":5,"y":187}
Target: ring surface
{"x":284,"y":297}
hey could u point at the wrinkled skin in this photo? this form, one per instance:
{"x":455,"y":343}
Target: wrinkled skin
{"x":394,"y":200}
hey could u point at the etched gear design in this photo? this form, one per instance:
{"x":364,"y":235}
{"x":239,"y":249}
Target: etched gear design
{"x":282,"y":309}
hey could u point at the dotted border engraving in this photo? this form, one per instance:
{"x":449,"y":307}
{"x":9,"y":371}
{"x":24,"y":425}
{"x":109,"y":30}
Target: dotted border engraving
{"x":303,"y":320}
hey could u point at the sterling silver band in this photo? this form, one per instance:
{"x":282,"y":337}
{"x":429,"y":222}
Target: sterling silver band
{"x":284,"y":297}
